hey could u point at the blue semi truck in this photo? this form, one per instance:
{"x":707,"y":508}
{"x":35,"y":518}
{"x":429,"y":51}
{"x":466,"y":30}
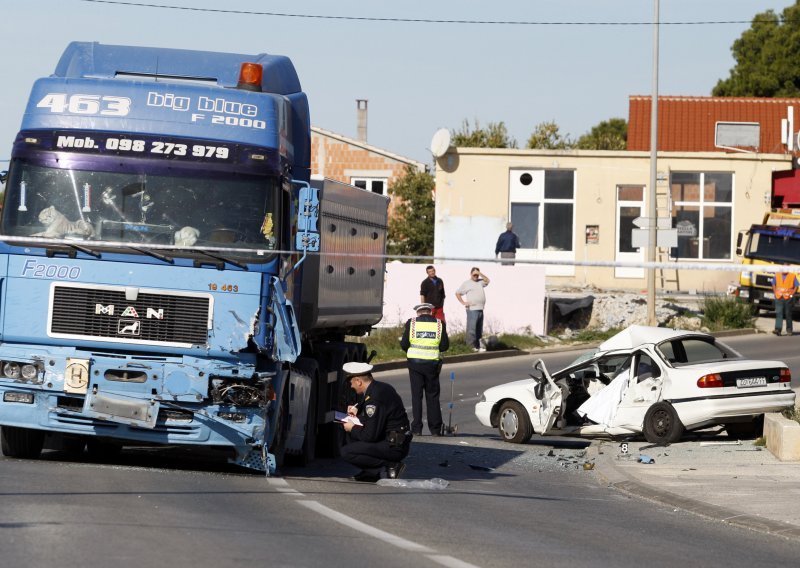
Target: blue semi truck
{"x":170,"y":272}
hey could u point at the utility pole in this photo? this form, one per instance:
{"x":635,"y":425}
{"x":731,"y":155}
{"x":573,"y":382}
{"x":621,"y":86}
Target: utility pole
{"x":651,"y":194}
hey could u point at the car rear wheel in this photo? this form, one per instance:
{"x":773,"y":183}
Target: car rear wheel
{"x":662,"y":425}
{"x":514,"y":424}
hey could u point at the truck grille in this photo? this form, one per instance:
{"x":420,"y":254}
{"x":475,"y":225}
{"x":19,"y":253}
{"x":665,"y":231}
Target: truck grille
{"x":84,"y":312}
{"x":764,"y":280}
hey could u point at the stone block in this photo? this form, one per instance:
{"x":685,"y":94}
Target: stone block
{"x":783,"y":437}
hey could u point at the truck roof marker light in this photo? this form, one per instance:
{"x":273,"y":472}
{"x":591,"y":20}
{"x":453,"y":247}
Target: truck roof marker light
{"x":250,"y":76}
{"x":258,"y":157}
{"x":31,"y":140}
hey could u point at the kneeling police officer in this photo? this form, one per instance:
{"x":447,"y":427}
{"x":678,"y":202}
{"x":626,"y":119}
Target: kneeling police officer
{"x":384,"y":438}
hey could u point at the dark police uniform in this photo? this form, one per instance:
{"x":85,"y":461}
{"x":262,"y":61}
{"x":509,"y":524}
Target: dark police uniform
{"x":424,"y":368}
{"x":385,"y":437}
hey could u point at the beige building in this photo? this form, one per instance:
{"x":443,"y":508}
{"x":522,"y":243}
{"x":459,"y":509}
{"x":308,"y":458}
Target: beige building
{"x":579,"y":206}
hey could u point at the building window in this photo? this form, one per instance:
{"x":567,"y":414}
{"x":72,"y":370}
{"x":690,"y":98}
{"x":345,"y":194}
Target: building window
{"x":543,"y":216}
{"x":375,"y":185}
{"x":702,"y":210}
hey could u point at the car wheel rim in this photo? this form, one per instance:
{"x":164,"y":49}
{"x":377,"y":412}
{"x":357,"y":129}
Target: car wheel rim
{"x":509,"y":423}
{"x":661,"y":423}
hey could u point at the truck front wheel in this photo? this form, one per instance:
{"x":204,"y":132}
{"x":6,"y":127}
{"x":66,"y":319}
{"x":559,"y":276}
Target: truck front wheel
{"x":21,"y":442}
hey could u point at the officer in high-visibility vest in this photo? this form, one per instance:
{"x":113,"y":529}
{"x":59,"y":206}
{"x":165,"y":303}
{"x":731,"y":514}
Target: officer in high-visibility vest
{"x":784,"y":284}
{"x":424,"y":339}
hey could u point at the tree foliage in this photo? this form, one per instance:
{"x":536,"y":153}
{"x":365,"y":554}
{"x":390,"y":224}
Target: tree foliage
{"x":546,"y":136}
{"x":495,"y":135}
{"x":766,"y":56}
{"x":411,"y":223}
{"x":611,"y":134}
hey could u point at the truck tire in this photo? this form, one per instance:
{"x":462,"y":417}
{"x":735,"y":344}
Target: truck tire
{"x":328,"y":437}
{"x":308,"y":367}
{"x":21,"y":443}
{"x":662,"y":425}
{"x":278,"y":446}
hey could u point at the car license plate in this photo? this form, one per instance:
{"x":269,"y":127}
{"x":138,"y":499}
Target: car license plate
{"x":751,"y":382}
{"x":769,"y":296}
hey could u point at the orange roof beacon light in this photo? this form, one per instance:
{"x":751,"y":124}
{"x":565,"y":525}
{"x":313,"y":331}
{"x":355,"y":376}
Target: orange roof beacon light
{"x":250,"y":75}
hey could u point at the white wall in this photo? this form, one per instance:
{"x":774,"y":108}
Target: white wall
{"x":514,"y":298}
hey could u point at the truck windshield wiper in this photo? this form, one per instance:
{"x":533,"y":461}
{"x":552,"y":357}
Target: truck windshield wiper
{"x":221,"y":259}
{"x":154,"y":254}
{"x":52,"y":251}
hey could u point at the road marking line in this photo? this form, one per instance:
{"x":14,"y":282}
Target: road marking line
{"x":450,"y":562}
{"x":365,"y":528}
{"x":282,"y":486}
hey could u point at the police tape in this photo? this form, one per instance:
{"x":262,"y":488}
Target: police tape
{"x":704,"y":264}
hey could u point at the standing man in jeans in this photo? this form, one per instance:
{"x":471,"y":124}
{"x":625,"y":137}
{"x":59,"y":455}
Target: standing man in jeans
{"x":472,"y":296}
{"x":431,"y":291}
{"x":784,"y":284}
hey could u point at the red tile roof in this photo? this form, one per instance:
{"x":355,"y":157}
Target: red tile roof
{"x":687,"y":124}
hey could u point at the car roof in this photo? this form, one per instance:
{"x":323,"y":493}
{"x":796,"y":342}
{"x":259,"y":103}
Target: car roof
{"x":637,"y":335}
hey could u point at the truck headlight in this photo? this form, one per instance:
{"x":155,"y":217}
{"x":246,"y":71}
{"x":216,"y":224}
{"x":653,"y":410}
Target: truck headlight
{"x":29,"y":372}
{"x":12,"y":370}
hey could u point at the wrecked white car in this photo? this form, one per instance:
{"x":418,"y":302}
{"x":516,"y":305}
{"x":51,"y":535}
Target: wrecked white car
{"x":653,"y":381}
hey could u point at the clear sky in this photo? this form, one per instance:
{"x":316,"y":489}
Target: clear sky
{"x":418,"y":77}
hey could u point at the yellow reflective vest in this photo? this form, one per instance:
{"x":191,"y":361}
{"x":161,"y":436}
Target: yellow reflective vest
{"x":424,"y":338}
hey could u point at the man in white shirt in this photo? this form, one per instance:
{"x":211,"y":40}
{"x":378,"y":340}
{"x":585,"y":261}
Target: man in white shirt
{"x":472,"y":296}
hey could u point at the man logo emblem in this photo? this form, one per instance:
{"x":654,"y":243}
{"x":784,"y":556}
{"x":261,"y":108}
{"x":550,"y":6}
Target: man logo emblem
{"x":128,"y":327}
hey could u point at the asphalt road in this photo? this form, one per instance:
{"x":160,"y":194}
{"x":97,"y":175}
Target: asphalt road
{"x":526,"y":505}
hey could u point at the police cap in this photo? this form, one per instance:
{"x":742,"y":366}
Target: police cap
{"x":425,"y":306}
{"x":354,"y":368}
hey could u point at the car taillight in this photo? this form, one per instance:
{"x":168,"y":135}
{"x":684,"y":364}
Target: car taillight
{"x":710,"y":381}
{"x":786,"y":376}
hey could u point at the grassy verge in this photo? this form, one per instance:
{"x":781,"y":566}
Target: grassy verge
{"x":792,"y":414}
{"x":386,"y":341}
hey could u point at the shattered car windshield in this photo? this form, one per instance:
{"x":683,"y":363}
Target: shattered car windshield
{"x":188,"y":210}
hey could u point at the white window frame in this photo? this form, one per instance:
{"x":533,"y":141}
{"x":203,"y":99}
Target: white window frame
{"x":368,"y":182}
{"x":535,"y":194}
{"x":701,"y":205}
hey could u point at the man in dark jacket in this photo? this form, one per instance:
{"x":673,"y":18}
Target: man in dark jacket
{"x":379,"y":435}
{"x":507,"y":245}
{"x":431,"y":291}
{"x":424,"y":338}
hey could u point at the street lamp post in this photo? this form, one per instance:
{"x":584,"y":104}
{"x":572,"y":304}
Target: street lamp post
{"x":651,"y":194}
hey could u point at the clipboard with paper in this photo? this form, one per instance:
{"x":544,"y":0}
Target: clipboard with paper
{"x":343,"y":417}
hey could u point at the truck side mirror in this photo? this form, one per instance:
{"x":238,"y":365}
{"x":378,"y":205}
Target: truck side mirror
{"x":739,"y":238}
{"x":3,"y":176}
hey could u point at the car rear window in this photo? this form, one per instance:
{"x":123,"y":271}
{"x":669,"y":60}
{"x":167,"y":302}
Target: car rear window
{"x":693,"y":350}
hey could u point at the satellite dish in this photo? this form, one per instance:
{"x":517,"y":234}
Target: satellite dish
{"x":440,"y":142}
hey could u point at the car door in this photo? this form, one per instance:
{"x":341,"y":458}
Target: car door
{"x":644,"y":384}
{"x":549,"y":397}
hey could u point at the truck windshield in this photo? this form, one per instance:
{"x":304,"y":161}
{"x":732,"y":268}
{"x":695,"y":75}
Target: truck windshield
{"x":783,"y":249}
{"x":194,"y":210}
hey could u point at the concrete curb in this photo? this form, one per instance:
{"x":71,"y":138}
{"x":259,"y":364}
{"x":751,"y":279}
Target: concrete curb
{"x":615,"y":477}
